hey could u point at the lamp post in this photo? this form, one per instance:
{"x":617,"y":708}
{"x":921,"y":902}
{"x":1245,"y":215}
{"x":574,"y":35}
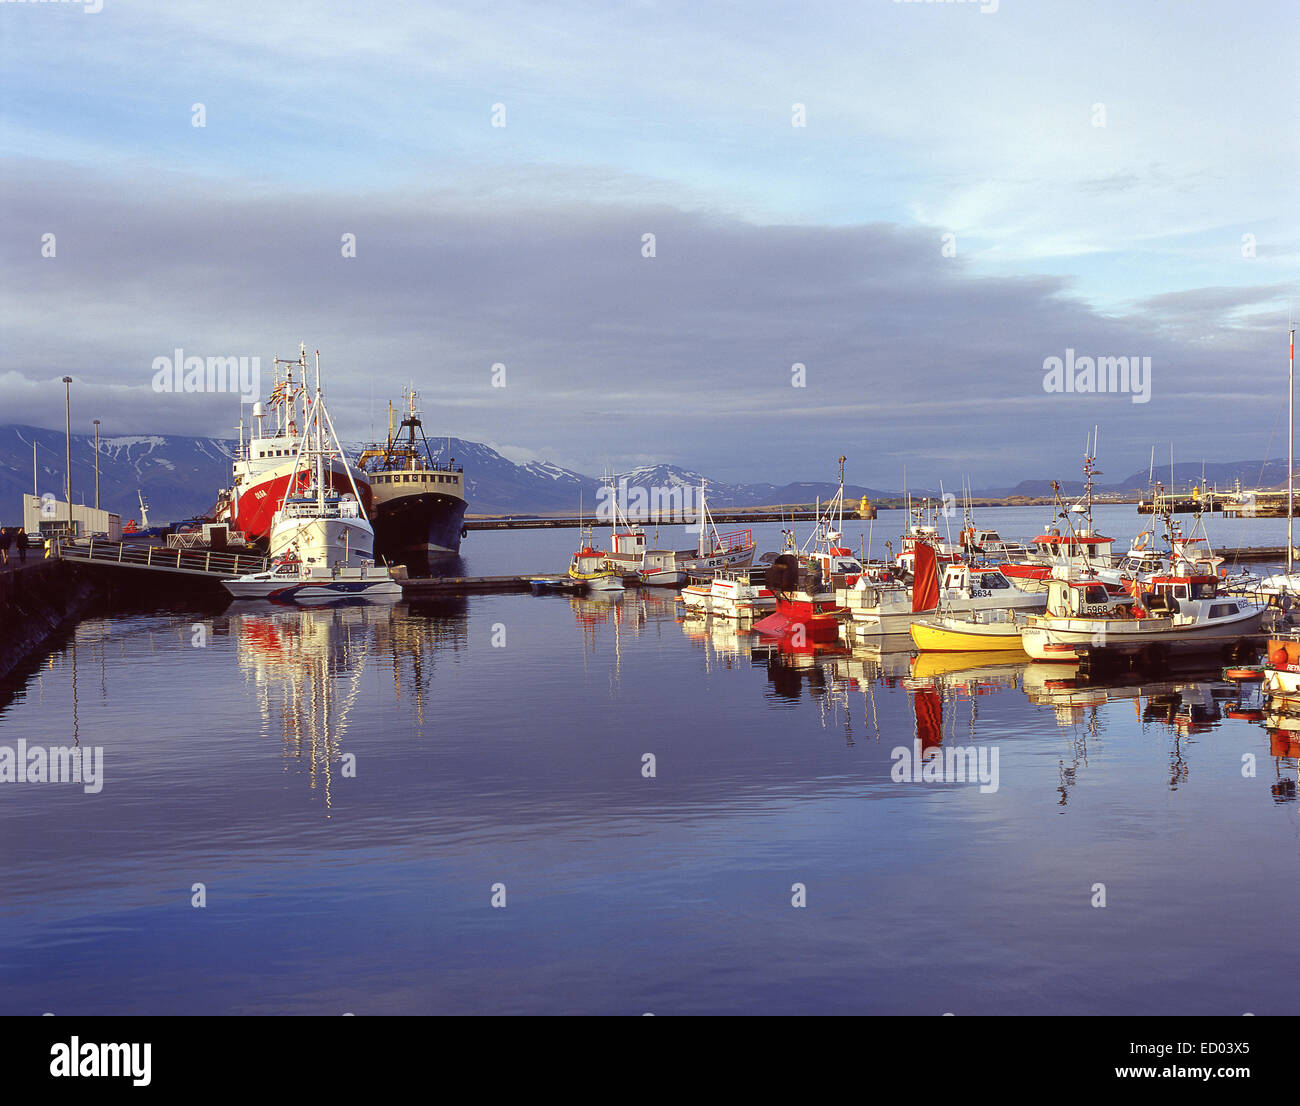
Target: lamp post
{"x":96,"y":464}
{"x":67,"y":411}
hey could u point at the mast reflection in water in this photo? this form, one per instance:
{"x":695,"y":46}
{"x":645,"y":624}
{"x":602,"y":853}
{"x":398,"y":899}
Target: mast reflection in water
{"x":350,"y":785}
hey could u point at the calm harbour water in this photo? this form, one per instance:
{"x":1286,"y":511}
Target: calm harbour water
{"x":500,"y":740}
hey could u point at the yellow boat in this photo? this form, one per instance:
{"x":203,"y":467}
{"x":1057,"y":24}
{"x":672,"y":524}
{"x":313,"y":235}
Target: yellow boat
{"x":975,"y":632}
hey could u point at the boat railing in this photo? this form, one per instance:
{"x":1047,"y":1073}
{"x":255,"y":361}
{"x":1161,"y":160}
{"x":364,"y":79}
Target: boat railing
{"x":733,"y":541}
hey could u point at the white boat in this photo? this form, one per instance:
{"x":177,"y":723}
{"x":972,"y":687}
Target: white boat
{"x":875,"y":608}
{"x":591,"y":567}
{"x":1077,"y":549}
{"x":660,"y":569}
{"x":293,"y":582}
{"x":628,"y":553}
{"x":321,"y":542}
{"x":714,"y":551}
{"x":1184,"y":610}
{"x":697,"y":598}
{"x":733,"y":595}
{"x":989,"y":545}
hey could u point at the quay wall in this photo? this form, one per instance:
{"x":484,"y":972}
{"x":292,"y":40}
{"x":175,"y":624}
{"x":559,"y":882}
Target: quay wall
{"x":37,"y":603}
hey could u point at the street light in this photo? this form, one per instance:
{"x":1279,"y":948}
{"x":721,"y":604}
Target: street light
{"x":96,"y":464}
{"x":67,"y":410}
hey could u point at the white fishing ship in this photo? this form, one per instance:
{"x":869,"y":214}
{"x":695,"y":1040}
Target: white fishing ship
{"x":321,"y":543}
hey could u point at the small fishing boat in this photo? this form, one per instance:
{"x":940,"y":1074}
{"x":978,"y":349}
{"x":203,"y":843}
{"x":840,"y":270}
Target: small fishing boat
{"x":291,"y":581}
{"x":1183,"y":610}
{"x":714,"y":551}
{"x":806,"y":612}
{"x":660,"y":569}
{"x":996,"y":629}
{"x":591,"y":567}
{"x":733,"y":595}
{"x":697,"y":597}
{"x":988,"y":545}
{"x":890,"y":608}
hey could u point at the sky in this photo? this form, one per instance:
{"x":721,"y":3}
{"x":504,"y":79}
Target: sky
{"x":874,"y":225}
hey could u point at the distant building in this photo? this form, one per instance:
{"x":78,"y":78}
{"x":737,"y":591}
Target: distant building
{"x":52,"y":518}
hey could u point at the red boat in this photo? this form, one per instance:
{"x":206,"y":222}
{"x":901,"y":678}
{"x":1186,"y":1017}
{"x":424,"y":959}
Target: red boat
{"x":806,"y":612}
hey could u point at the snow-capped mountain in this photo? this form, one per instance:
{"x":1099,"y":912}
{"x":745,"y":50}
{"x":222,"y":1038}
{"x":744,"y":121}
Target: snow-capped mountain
{"x":179,"y":476}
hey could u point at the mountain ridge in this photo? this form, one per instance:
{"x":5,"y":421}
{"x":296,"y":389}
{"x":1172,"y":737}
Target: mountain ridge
{"x":180,"y":476}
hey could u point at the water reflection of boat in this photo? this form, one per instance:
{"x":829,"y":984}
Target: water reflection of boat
{"x":789,"y":672}
{"x":1283,"y":727}
{"x":881,"y":660}
{"x":1001,"y":669}
{"x":1192,"y":703}
{"x":307,"y":666}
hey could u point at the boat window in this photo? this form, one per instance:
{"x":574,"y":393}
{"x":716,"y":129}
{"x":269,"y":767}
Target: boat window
{"x":1180,"y":591}
{"x":1095,"y":593}
{"x":1222,"y":610}
{"x":1203,"y":591}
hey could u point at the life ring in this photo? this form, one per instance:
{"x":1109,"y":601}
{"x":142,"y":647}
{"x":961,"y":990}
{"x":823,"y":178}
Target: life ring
{"x":1141,"y":542}
{"x":1223,"y":572}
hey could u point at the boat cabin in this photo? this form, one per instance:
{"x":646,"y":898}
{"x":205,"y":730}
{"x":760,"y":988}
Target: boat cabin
{"x":837,"y":561}
{"x":630,"y":544}
{"x":1083,"y":599}
{"x":1086,"y":544}
{"x":1143,"y":562}
{"x":966,"y":581}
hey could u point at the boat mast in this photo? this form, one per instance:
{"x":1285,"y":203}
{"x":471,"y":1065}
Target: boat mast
{"x":320,"y":468}
{"x":703,"y":512}
{"x":840,"y":525}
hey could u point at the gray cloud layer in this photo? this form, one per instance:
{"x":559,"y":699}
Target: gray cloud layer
{"x":610,"y":357}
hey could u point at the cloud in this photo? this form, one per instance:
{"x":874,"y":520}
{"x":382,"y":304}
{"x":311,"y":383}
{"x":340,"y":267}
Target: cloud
{"x":609,"y":355}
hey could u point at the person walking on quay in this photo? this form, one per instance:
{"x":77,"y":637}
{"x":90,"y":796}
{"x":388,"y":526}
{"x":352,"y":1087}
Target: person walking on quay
{"x":6,"y":540}
{"x":21,"y":542}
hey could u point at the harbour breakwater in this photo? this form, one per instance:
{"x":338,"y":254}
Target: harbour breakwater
{"x":38,"y":602}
